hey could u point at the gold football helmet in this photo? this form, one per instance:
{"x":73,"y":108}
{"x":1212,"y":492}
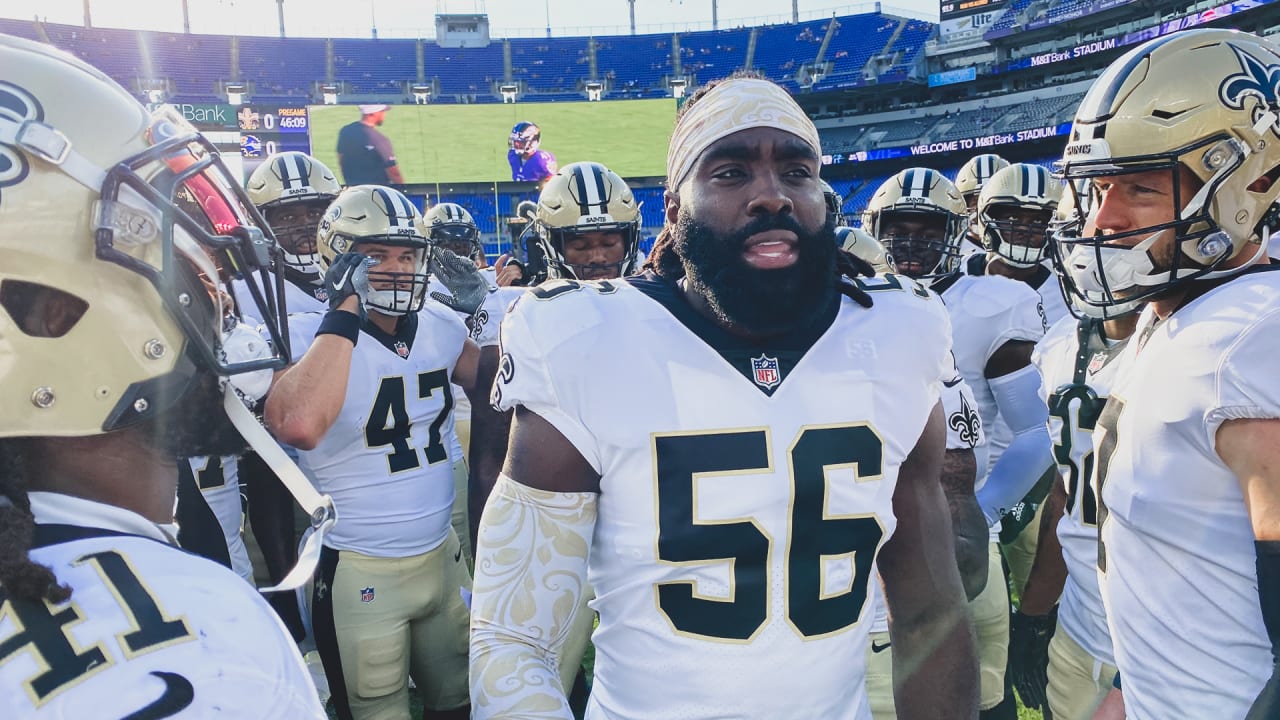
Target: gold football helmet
{"x":925,"y":198}
{"x":1219,"y":132}
{"x":377,"y":215}
{"x":586,"y":197}
{"x":450,"y":226}
{"x":293,"y":189}
{"x":859,"y":243}
{"x":117,"y":228}
{"x":1014,"y":210}
{"x":969,"y":181}
{"x":974,"y":174}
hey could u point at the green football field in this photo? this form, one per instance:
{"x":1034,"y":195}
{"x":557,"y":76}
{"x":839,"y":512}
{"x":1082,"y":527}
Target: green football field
{"x":468,"y":143}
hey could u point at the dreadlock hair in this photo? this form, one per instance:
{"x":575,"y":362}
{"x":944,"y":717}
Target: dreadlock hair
{"x":19,"y":576}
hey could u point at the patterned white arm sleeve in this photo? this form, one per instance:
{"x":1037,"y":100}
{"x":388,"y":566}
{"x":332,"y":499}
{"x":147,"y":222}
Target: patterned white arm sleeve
{"x":531,"y":571}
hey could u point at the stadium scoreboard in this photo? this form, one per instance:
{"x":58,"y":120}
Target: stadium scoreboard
{"x":269,"y":129}
{"x":949,"y":9}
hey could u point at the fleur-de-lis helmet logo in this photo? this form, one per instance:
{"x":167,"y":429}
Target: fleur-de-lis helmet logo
{"x":1256,"y":80}
{"x":16,"y":106}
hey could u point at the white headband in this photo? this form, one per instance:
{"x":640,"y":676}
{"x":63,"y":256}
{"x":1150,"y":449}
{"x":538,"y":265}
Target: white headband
{"x":733,"y":105}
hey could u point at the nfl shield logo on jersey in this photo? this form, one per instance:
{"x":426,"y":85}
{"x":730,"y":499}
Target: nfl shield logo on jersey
{"x":1096,"y":362}
{"x":366,"y":595}
{"x":765,"y":371}
{"x":401,"y":349}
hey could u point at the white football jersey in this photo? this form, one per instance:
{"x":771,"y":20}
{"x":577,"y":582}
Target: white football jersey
{"x":297,"y":299}
{"x":711,"y":452}
{"x":986,"y":312}
{"x":219,"y":483}
{"x":482,"y":328}
{"x":1177,"y":561}
{"x":964,"y":432}
{"x":1076,"y":385}
{"x":150,"y":631}
{"x":386,"y":461}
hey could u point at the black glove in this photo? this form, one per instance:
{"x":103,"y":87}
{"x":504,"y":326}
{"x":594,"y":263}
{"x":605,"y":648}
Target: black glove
{"x":467,"y":287}
{"x":1029,"y":637}
{"x":348,"y":275}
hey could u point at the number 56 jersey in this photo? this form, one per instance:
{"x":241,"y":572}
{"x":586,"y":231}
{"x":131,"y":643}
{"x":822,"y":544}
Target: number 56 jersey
{"x":745,"y":488}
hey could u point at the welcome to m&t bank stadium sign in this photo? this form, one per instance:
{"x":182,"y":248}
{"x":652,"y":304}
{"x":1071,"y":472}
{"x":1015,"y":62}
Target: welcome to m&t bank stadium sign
{"x":949,"y":146}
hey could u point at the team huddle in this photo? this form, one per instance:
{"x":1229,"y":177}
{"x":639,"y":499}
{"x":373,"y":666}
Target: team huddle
{"x":1013,"y":438}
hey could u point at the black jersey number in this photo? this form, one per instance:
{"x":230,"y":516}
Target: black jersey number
{"x":389,"y":420}
{"x":683,"y":538}
{"x":1106,"y":448}
{"x":210,"y":475}
{"x":1078,"y":407}
{"x":45,"y":630}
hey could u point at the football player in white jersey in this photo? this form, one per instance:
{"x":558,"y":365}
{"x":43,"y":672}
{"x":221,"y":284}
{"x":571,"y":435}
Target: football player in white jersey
{"x":918,"y":215}
{"x":450,"y":227}
{"x":1073,"y":671}
{"x":969,"y":181}
{"x":291,"y":190}
{"x":1013,"y":214}
{"x":213,"y":497}
{"x":731,"y":497}
{"x":1181,"y":186}
{"x":366,"y":405}
{"x":111,"y":224}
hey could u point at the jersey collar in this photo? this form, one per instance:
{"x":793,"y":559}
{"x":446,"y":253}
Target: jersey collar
{"x":67,"y":510}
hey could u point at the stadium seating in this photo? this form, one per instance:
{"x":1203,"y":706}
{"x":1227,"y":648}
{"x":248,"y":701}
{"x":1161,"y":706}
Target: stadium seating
{"x":280,"y":67}
{"x":554,"y":64}
{"x":634,"y":63}
{"x":19,"y":28}
{"x":375,"y":66}
{"x":548,"y":68}
{"x":1010,"y":16}
{"x":464,"y":71}
{"x":709,"y":55}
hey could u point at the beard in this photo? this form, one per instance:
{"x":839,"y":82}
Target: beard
{"x":761,"y":302}
{"x":195,"y":425}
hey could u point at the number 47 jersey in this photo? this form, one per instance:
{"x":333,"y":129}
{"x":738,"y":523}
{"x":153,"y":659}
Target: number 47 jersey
{"x":745,"y":488}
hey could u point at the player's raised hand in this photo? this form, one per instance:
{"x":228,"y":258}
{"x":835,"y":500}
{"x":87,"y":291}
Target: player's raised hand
{"x":348,"y":276}
{"x":508,"y":271}
{"x":467,"y":287}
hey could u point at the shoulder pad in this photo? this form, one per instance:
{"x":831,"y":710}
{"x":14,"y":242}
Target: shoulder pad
{"x":993,"y":295}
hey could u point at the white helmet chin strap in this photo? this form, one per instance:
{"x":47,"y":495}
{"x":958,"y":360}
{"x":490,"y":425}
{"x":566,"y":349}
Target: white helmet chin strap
{"x":49,"y":144}
{"x":320,"y":507}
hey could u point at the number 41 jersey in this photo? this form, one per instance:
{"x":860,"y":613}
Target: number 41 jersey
{"x":745,"y":488}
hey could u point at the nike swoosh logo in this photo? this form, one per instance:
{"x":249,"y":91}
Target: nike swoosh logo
{"x":880,"y":648}
{"x":342,"y":280}
{"x":177,"y":696}
{"x":458,"y":555}
{"x":954,"y":382}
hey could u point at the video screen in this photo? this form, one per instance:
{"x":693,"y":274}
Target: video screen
{"x":491,"y":143}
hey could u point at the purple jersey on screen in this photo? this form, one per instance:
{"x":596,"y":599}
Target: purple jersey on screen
{"x":541,"y":164}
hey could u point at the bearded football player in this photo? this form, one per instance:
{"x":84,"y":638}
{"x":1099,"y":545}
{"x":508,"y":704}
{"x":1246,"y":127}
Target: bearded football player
{"x":733,"y":497}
